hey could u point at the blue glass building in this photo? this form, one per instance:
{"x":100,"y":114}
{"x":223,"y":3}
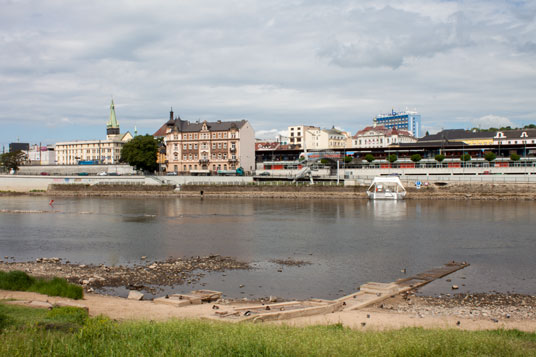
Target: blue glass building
{"x":410,"y":121}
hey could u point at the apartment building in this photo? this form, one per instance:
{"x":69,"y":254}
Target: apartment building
{"x":204,"y":147}
{"x":107,"y":151}
{"x":297,"y":135}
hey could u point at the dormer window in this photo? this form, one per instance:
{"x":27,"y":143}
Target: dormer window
{"x":524,"y":134}
{"x":500,"y":134}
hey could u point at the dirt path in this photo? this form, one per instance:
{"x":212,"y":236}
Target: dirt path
{"x":375,"y":317}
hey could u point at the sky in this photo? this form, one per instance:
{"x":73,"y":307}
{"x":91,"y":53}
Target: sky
{"x":460,"y":64}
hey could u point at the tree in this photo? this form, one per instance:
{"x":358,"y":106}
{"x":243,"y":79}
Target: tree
{"x":490,"y":156}
{"x":369,"y":158}
{"x":392,"y":158}
{"x":12,"y":160}
{"x":324,"y":161}
{"x":348,"y":159}
{"x":439,"y":157}
{"x":465,"y":157}
{"x":416,"y":158}
{"x":515,"y":157}
{"x":141,"y":153}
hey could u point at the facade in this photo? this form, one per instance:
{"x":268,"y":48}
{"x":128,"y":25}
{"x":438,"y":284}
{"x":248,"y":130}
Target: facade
{"x":380,"y":136}
{"x":204,"y":147}
{"x":19,"y":147}
{"x":106,"y":151}
{"x":41,"y":155}
{"x":407,"y":120}
{"x":324,"y":139}
{"x":297,"y":135}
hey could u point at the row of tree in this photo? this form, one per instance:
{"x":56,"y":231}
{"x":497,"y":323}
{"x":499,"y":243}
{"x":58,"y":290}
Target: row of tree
{"x":489,"y":156}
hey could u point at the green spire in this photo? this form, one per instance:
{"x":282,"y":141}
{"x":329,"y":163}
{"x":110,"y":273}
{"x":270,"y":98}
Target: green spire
{"x":112,"y":123}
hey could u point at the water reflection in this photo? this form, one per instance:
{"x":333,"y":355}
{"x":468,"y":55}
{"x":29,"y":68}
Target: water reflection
{"x":388,"y":210}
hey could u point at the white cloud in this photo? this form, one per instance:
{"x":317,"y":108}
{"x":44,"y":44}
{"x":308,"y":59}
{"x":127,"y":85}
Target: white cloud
{"x":492,"y":121}
{"x":275,"y":63}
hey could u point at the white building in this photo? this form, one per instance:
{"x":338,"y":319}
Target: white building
{"x":380,"y":136}
{"x":297,"y":135}
{"x":106,"y":151}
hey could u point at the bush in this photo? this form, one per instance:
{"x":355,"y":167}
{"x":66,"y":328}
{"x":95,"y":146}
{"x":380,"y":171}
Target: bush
{"x":416,"y":157}
{"x":515,"y":157}
{"x":20,"y":281}
{"x":348,"y":159}
{"x":369,"y":158}
{"x":439,"y":157}
{"x":489,"y":156}
{"x":465,"y":157}
{"x":392,"y":158}
{"x":70,"y":314}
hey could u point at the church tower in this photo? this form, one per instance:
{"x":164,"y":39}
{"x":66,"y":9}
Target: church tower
{"x":112,"y":127}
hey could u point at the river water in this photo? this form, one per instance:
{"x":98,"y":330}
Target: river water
{"x":347,"y":242}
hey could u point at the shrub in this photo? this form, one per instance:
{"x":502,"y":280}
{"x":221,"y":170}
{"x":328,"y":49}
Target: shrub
{"x":369,"y":158}
{"x":515,"y":157}
{"x":416,"y":157}
{"x":465,"y":157}
{"x":490,"y":156}
{"x":392,"y":158}
{"x":348,"y":159}
{"x":439,"y":157}
{"x":68,"y":314}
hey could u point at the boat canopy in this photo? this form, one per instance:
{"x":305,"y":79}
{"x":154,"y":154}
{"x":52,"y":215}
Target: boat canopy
{"x":387,"y":180}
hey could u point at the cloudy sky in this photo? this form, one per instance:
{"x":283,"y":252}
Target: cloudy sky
{"x":274,"y":63}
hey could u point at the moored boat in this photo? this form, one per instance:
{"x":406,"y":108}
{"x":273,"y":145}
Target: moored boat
{"x":386,"y":188}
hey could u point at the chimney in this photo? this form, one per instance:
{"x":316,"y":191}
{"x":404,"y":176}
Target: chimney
{"x":171,"y":114}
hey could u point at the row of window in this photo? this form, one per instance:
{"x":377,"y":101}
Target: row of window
{"x":194,"y":167}
{"x":193,"y":136}
{"x":218,"y":156}
{"x":204,"y":146}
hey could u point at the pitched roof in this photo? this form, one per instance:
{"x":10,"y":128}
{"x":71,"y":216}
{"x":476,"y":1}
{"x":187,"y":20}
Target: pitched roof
{"x":186,"y":126}
{"x":458,"y":134}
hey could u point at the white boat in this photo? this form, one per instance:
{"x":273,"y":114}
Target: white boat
{"x":386,"y":188}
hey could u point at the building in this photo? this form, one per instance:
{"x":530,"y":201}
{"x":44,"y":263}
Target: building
{"x":324,"y":139}
{"x":42,"y":155}
{"x":407,"y":120}
{"x":106,"y":151}
{"x":204,"y":147}
{"x":380,"y":137}
{"x":19,"y":147}
{"x":297,"y":135}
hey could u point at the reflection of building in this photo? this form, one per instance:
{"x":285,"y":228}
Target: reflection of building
{"x":103,"y":151}
{"x":208,"y":146}
{"x":410,"y":121}
{"x":380,"y":136}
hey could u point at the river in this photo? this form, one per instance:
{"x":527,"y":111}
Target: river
{"x":347,"y":242}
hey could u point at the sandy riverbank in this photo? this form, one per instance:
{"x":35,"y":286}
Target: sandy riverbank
{"x":391,"y":314}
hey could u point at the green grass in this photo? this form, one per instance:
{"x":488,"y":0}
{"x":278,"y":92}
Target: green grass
{"x":103,"y":337}
{"x":20,"y":281}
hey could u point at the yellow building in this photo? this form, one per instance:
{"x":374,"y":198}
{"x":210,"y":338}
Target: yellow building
{"x":106,"y":151}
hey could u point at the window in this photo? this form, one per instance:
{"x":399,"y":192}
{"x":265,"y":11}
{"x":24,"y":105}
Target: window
{"x":184,"y":146}
{"x":190,"y":146}
{"x":225,"y":145}
{"x":219,"y":156}
{"x":175,"y":137}
{"x":213,"y":156}
{"x":190,"y":136}
{"x":213,"y":146}
{"x":195,"y":167}
{"x":213,"y":167}
{"x":219,"y":145}
{"x":225,"y":167}
{"x":225,"y":156}
{"x":225,"y":135}
{"x":184,"y":167}
{"x":195,"y":136}
{"x":184,"y":157}
{"x":175,"y":168}
{"x":195,"y":156}
{"x":213,"y":135}
{"x":195,"y":146}
{"x":219,"y":135}
{"x":189,"y":167}
{"x":190,"y":157}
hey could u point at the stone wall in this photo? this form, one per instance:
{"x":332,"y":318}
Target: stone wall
{"x":110,"y":188}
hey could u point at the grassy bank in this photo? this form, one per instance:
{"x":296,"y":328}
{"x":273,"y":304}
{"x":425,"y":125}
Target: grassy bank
{"x":20,"y":281}
{"x":36,"y":332}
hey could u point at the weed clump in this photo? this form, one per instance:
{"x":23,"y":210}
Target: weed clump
{"x":20,"y":281}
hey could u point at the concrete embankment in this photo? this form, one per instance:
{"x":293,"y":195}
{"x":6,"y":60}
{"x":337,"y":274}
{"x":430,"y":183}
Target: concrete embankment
{"x":450,"y":191}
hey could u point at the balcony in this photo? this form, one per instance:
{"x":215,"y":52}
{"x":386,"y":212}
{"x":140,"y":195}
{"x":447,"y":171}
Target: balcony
{"x":233,"y":160}
{"x":204,"y":161}
{"x":232,"y":149}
